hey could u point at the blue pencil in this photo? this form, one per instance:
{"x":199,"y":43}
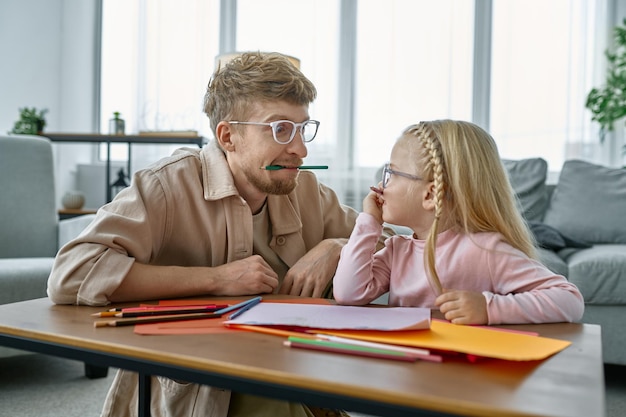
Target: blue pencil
{"x":247,"y":307}
{"x":238,"y":305}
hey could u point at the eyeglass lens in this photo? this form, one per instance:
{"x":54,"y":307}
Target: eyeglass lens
{"x":386,"y":175}
{"x":285,"y":130}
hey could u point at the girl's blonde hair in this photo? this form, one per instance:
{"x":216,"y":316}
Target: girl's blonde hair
{"x":252,"y":77}
{"x":463,"y":162}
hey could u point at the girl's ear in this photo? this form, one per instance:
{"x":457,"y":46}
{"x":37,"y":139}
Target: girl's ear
{"x":223,"y":134}
{"x":428,"y":200}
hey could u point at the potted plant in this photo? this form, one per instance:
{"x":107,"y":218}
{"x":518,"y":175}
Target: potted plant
{"x":31,"y":121}
{"x":608,"y":103}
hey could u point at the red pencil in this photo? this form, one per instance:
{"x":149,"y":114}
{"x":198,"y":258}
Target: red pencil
{"x":161,"y":307}
{"x":159,"y":310}
{"x":163,"y":312}
{"x":155,"y":319}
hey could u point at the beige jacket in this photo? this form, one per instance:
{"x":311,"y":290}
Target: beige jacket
{"x":185,"y":210}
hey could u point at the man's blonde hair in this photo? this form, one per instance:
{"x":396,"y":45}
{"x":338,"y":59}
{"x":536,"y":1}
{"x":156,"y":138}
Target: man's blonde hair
{"x":252,"y":77}
{"x":463,"y":162}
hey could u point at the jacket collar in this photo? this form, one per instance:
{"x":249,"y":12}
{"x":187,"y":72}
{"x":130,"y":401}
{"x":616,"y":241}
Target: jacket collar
{"x":219,"y":183}
{"x":216,"y":176}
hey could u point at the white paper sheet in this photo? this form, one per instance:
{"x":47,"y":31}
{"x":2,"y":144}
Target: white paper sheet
{"x":335,"y":317}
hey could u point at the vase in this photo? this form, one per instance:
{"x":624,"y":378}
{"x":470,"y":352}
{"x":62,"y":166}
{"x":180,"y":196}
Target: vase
{"x":116,"y":125}
{"x":73,"y":200}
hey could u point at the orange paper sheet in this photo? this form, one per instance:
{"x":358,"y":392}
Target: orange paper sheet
{"x":480,"y":341}
{"x":209,"y":325}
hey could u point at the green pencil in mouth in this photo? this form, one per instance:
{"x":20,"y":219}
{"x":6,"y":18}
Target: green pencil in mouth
{"x":277,"y":167}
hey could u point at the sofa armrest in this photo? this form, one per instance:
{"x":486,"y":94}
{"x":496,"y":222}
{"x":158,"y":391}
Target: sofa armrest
{"x":71,"y":228}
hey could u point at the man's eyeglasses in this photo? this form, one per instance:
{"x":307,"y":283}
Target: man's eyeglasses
{"x":285,"y":130}
{"x":387,"y":172}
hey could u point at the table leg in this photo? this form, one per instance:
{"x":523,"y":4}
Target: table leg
{"x":144,"y":395}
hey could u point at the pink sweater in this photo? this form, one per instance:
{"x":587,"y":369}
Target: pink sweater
{"x":517,"y":289}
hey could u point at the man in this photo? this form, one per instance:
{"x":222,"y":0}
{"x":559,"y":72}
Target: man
{"x":214,"y":221}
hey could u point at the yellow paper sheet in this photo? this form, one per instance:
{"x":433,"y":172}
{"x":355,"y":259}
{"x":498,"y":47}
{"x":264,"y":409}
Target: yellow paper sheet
{"x":481,"y":341}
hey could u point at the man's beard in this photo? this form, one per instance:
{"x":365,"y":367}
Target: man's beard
{"x":272,"y":187}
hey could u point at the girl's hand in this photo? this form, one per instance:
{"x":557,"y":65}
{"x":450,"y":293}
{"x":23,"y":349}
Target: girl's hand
{"x":463,"y":307}
{"x":373,"y":204}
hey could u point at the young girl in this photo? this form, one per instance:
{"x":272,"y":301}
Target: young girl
{"x":471,"y":254}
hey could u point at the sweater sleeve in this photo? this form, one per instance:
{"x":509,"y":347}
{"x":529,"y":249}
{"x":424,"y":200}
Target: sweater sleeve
{"x":362,"y":273}
{"x":89,"y":268}
{"x":525,"y":291}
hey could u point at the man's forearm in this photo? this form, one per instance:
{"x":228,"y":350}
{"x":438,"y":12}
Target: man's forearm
{"x":152,"y":282}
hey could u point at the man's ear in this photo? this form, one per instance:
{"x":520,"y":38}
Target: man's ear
{"x":223,"y":134}
{"x":428,"y":199}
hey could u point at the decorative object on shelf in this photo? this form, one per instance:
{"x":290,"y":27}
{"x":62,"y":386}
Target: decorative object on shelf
{"x":120,"y":183}
{"x":608,"y":103}
{"x":73,"y":200}
{"x":116,"y":124}
{"x":31,"y":122}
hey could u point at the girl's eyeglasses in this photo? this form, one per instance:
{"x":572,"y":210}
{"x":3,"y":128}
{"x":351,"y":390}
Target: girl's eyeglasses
{"x":387,"y":172}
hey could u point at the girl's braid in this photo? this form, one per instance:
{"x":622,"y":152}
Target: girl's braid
{"x":435,"y":165}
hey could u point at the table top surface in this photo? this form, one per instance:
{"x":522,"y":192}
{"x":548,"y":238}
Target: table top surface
{"x":570,"y":383}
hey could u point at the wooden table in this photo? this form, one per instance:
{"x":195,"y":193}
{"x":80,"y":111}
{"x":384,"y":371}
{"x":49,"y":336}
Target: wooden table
{"x":568,"y":384}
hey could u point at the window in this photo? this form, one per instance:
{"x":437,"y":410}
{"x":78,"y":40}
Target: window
{"x":540,"y":77}
{"x":414,"y":63}
{"x":157,"y":57}
{"x":379,"y":65}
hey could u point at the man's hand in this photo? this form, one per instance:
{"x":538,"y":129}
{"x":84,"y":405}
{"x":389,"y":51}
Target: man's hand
{"x":247,"y":276}
{"x":463,"y":307}
{"x":251,"y":275}
{"x":311,"y":275}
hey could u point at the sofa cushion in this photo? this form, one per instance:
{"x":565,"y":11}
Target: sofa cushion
{"x":548,"y":237}
{"x":599,"y":273}
{"x":589,"y":203}
{"x":24,"y":278}
{"x":552,"y":261}
{"x":528,"y":179}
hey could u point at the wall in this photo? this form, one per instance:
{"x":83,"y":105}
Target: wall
{"x":49,"y":61}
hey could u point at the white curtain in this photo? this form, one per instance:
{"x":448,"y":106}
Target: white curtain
{"x":406,"y":61}
{"x":157,"y":58}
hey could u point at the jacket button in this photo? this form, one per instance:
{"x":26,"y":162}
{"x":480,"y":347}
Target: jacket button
{"x":280,"y":240}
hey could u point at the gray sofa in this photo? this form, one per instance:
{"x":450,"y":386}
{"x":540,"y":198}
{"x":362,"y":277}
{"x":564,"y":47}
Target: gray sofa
{"x":30,"y":230}
{"x":580,"y":224}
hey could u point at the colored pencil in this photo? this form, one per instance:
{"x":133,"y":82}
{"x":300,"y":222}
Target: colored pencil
{"x":239,"y":305}
{"x":422,"y":354}
{"x":348,"y":350}
{"x":245,"y":308}
{"x":161,"y":310}
{"x":174,"y":317}
{"x":160,"y":307}
{"x":155,"y":319}
{"x":279,"y":167}
{"x":377,"y":190}
{"x":164,"y":312}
